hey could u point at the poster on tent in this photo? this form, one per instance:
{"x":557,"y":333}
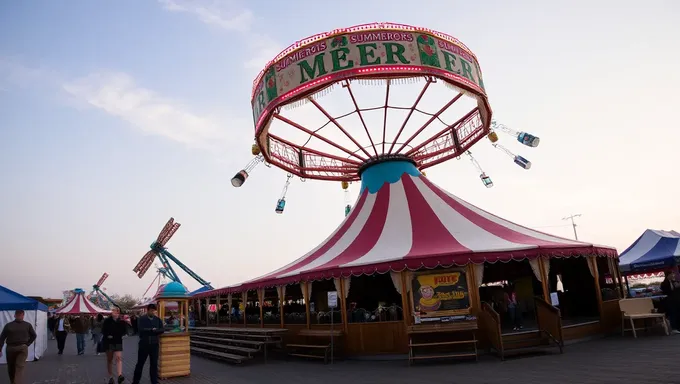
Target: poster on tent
{"x":443,"y":296}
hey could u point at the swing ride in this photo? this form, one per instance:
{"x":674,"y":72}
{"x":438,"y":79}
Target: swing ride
{"x":98,"y":292}
{"x":333,"y":105}
{"x":379,"y":104}
{"x":159,"y":250}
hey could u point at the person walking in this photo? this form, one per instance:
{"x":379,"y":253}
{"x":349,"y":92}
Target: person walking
{"x":133,"y":323}
{"x":671,"y":288}
{"x":80,"y":325}
{"x":97,"y":333}
{"x":515,"y":310}
{"x":18,"y":335}
{"x":150,"y":327}
{"x":51,"y":319}
{"x":61,"y":329}
{"x":112,"y":331}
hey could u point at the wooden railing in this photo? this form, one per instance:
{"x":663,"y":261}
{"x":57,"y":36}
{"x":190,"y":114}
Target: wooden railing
{"x":549,"y":321}
{"x":490,"y":322}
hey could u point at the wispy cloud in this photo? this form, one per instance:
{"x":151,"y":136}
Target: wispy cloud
{"x":227,"y":15}
{"x":14,"y":73}
{"x":119,"y":95}
{"x":223,"y":14}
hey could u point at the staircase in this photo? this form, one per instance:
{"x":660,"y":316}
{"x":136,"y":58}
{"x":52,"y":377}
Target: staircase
{"x":548,"y":335}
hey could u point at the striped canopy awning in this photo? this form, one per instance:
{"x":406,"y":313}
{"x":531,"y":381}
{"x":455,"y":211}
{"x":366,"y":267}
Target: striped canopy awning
{"x":402,"y":220}
{"x":79,"y":305}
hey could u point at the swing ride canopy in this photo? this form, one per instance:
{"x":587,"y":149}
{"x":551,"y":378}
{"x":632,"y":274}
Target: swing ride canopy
{"x":402,"y":220}
{"x":379,"y":103}
{"x":329,"y":103}
{"x":78,"y":305}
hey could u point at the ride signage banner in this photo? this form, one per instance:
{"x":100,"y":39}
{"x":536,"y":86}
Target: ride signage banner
{"x":436,"y":294}
{"x":394,"y":52}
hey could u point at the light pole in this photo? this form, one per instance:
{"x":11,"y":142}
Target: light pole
{"x":573,"y":224}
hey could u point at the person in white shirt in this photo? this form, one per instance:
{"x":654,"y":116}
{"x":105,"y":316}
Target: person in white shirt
{"x":61,"y":328}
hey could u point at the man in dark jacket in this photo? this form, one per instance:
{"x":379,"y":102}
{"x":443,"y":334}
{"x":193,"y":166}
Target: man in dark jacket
{"x":671,"y":289}
{"x":61,"y":329}
{"x":80,"y":325}
{"x":150,"y":327}
{"x":18,"y":335}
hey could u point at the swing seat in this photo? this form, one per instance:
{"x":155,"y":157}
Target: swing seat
{"x":280,"y":206}
{"x":486,"y":180}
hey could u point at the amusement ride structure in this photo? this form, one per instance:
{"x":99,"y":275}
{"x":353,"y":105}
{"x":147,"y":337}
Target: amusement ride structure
{"x":336,"y":104}
{"x":380,"y":103}
{"x":159,"y":250}
{"x":103,"y":300}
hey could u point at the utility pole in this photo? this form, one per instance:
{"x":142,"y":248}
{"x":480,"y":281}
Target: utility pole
{"x":573,"y":224}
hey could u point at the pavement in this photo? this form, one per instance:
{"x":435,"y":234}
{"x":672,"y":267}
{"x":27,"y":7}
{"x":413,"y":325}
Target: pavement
{"x":648,"y":359}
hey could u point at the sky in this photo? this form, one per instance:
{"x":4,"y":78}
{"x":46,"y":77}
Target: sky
{"x":115,"y":116}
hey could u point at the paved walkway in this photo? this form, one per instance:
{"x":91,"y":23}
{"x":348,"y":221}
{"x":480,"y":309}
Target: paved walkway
{"x":617,"y":360}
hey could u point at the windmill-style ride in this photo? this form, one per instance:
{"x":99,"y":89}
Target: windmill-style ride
{"x":159,"y":250}
{"x":103,"y":300}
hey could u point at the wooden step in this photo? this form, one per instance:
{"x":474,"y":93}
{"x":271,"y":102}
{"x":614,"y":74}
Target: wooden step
{"x":228,"y":356}
{"x":248,"y":351}
{"x":306,"y":355}
{"x":444,"y":356}
{"x":234,"y":335}
{"x":228,"y":340}
{"x":308,"y":346}
{"x":442,"y":343}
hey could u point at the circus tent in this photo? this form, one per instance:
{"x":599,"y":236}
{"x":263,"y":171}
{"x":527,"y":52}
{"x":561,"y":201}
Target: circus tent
{"x":79,"y":304}
{"x":402,"y":220}
{"x":654,"y":250}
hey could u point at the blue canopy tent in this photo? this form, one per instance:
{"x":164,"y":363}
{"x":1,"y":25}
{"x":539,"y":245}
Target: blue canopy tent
{"x":655,"y":250}
{"x":204,"y":288}
{"x":35,"y":313}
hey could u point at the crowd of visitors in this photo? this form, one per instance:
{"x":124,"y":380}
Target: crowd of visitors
{"x":107,"y":335}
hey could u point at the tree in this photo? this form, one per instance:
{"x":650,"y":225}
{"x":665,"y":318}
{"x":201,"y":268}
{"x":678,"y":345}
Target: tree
{"x":125,"y":302}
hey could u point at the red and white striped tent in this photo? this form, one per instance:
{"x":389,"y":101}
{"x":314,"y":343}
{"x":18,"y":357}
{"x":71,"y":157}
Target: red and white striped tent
{"x":78,"y":305}
{"x":404,"y":221}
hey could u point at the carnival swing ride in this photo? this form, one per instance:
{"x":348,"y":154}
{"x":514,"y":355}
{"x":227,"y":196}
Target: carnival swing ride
{"x":390,"y":97}
{"x":159,"y":250}
{"x":99,"y":297}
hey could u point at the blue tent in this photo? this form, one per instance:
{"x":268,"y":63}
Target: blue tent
{"x":204,"y":288}
{"x":35,"y":314}
{"x":654,"y":250}
{"x":11,"y":301}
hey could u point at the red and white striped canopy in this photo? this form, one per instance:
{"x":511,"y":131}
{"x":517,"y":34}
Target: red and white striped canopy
{"x":79,"y":304}
{"x":412,"y":223}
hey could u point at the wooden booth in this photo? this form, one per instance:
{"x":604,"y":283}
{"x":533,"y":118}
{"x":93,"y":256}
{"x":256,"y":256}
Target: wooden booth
{"x":174,"y":359}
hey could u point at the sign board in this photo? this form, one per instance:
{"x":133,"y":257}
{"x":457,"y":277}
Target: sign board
{"x":341,"y":54}
{"x":440,"y":294}
{"x":554,"y":299}
{"x":333,"y":299}
{"x":212,"y":308}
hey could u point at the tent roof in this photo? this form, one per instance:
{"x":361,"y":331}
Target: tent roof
{"x":79,"y":304}
{"x":11,"y":301}
{"x":654,"y":250}
{"x":204,"y":288}
{"x":402,"y":220}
